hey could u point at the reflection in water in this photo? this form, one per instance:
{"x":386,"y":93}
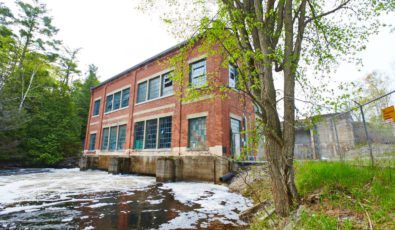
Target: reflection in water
{"x":61,"y":199}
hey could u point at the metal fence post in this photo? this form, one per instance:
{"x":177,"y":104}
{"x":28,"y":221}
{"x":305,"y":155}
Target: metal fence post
{"x":366,"y":133}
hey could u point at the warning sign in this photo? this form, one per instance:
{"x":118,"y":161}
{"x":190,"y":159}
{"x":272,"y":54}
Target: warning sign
{"x":389,"y":113}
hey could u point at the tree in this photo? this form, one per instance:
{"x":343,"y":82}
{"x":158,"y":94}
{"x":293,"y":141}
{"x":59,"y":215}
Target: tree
{"x":280,"y":39}
{"x":82,"y":95}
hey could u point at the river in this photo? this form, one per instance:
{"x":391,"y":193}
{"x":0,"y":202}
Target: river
{"x":73,"y":199}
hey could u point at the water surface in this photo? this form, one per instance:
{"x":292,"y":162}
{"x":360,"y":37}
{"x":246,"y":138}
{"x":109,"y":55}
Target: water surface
{"x":68,"y":198}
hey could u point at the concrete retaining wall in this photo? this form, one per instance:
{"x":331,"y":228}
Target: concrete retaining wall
{"x":165,"y":168}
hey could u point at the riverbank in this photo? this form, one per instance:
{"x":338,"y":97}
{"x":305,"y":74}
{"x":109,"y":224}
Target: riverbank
{"x":334,"y":195}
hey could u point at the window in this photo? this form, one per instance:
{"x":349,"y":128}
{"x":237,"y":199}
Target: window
{"x":142,"y":92}
{"x":232,"y":76}
{"x":92,"y":141}
{"x":114,"y":138}
{"x":139,"y":135}
{"x":165,"y":132}
{"x":150,"y":134}
{"x":104,"y":141}
{"x":157,"y":87}
{"x":121,"y":137}
{"x":197,"y":138}
{"x":153,"y":134}
{"x":109,"y":103}
{"x":153,"y":91}
{"x":235,"y":137}
{"x":167,"y":84}
{"x":198,"y":73}
{"x":117,"y":100}
{"x":125,"y":97}
{"x":96,"y":108}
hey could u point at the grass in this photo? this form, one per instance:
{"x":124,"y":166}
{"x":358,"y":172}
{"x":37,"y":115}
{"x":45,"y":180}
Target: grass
{"x":345,"y":197}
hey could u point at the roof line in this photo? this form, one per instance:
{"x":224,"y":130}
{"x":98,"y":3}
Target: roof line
{"x":151,"y":59}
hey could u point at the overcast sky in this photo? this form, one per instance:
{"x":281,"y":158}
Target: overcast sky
{"x":114,"y":35}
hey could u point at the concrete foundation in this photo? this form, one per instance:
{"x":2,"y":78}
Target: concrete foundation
{"x":164,"y":168}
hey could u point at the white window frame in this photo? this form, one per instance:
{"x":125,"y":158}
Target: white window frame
{"x":120,"y":103}
{"x":147,"y":81}
{"x":157,"y":132}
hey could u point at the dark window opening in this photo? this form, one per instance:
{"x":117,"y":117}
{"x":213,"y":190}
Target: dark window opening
{"x":96,"y":108}
{"x":92,"y":141}
{"x":165,"y":132}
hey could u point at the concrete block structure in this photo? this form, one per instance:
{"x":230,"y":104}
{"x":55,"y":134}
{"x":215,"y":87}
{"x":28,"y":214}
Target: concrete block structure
{"x":138,"y":115}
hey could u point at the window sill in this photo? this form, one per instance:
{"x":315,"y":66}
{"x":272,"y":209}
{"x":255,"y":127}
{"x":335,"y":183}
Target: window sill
{"x":197,"y":150}
{"x":158,"y":98}
{"x":95,"y":116}
{"x":152,"y":150}
{"x":116,"y":110}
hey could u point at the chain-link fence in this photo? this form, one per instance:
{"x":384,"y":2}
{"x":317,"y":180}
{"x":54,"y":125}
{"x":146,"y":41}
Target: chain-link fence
{"x":360,"y":134}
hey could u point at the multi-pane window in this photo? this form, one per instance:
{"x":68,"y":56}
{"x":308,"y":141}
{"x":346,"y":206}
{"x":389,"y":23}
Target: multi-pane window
{"x":109,"y":103}
{"x":139,"y":135}
{"x":125,"y":97}
{"x":104,"y":145}
{"x":96,"y":108}
{"x":159,"y":86}
{"x":165,"y":132}
{"x":114,"y":138}
{"x":235,"y":137}
{"x":92,"y":141}
{"x":121,"y":137}
{"x":142,"y":92}
{"x":167,"y":84}
{"x":153,"y":134}
{"x":153,"y":91}
{"x":198,"y":73}
{"x":232,"y":76}
{"x":117,"y":100}
{"x":197,"y":137}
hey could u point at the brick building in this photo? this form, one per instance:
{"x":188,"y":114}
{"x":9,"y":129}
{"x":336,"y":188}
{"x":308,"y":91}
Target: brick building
{"x":136,"y":113}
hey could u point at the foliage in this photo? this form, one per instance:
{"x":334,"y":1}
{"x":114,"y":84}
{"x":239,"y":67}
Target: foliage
{"x":42,"y":112}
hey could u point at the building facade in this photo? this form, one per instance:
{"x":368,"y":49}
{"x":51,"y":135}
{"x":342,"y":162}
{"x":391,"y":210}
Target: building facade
{"x":139,"y":113}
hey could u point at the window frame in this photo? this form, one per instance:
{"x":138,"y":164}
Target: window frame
{"x":205,"y":148}
{"x":191,"y":84}
{"x":94,"y":108}
{"x":90,"y":142}
{"x":109,"y":128}
{"x":147,"y":81}
{"x":121,"y":90}
{"x":158,"y":90}
{"x":239,"y":122}
{"x":235,"y":74}
{"x":143,"y":147}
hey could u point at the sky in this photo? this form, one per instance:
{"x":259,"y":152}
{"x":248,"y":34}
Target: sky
{"x":114,"y":36}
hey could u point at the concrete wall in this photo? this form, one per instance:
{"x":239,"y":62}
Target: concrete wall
{"x":165,"y":168}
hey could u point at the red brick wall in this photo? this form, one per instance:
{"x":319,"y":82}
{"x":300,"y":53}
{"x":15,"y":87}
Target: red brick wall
{"x":218,"y":119}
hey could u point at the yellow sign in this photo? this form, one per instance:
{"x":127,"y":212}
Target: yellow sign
{"x":389,"y":113}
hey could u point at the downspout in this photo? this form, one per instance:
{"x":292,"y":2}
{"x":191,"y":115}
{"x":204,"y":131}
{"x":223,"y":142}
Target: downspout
{"x":132,"y":97}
